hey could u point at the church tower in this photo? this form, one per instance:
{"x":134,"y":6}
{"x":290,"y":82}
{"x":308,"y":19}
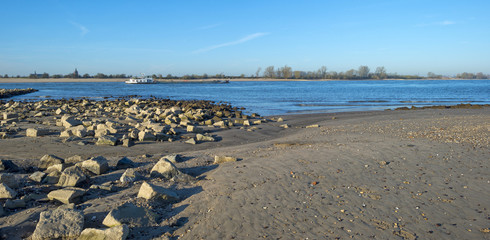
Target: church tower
{"x":75,"y":74}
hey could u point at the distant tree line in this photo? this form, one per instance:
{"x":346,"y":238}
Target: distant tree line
{"x":270,"y":72}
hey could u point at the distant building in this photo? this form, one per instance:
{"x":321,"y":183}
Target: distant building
{"x":75,"y":74}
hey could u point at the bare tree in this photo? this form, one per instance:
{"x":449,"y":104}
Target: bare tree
{"x":363,"y":72}
{"x":286,"y":72}
{"x":258,"y":72}
{"x":297,"y":74}
{"x":350,"y":74}
{"x":269,"y":72}
{"x":322,"y":72}
{"x":380,"y":72}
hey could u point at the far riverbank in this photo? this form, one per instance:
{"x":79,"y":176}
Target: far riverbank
{"x":208,"y":80}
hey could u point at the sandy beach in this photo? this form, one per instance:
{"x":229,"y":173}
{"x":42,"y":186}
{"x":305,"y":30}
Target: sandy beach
{"x":418,"y":174}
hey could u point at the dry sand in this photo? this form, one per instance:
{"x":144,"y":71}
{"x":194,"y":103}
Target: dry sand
{"x":420,"y":174}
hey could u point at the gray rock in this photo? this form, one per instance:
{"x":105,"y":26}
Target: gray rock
{"x":174,"y":158}
{"x":194,"y":129}
{"x":52,"y":178}
{"x":72,"y":177}
{"x":146,"y":136}
{"x":131,"y":215}
{"x":114,"y":233}
{"x":101,"y":132}
{"x":74,"y":159}
{"x":8,"y":165}
{"x":48,"y":160}
{"x":69,"y":121}
{"x":130,"y":175}
{"x":127,"y":142}
{"x":204,"y":138}
{"x":164,"y":169}
{"x":105,"y":187}
{"x":220,"y":124}
{"x":67,"y":195}
{"x":6,"y":192}
{"x":10,"y":115}
{"x":56,"y":168}
{"x":13,"y":204}
{"x":151,"y":192}
{"x":37,"y":176}
{"x":10,"y":179}
{"x":36,"y":132}
{"x":191,"y":141}
{"x":66,"y":134}
{"x":125,"y":163}
{"x":106,"y":140}
{"x":96,"y":165}
{"x":59,"y":223}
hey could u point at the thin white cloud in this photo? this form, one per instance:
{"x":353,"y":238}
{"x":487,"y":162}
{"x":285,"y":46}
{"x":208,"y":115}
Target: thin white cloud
{"x":441,"y":23}
{"x":82,"y":28}
{"x":446,"y":22}
{"x":239,"y":41}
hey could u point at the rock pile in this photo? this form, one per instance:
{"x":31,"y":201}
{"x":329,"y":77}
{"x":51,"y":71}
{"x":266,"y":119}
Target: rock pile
{"x":71,"y":182}
{"x":6,"y":93}
{"x":120,"y":122}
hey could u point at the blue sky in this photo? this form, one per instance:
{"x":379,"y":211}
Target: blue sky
{"x":235,"y":37}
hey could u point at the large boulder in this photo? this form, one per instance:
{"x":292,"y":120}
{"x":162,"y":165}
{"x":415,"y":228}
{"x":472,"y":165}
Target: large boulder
{"x":106,"y":140}
{"x":13,"y":204}
{"x":36,"y":132}
{"x":125,"y":162}
{"x":164,"y":169}
{"x":6,"y":192}
{"x":48,"y":160}
{"x":69,"y":121}
{"x":60,"y":223}
{"x":52,"y":178}
{"x":114,"y":233}
{"x":72,"y":177}
{"x":37,"y":176}
{"x":151,"y":192}
{"x":131,"y":215}
{"x":174,"y":158}
{"x":130,"y":175}
{"x":74,"y":159}
{"x":96,"y":165}
{"x":67,"y":195}
{"x":8,"y":165}
{"x":194,"y":129}
{"x":11,"y":180}
{"x":146,"y":136}
{"x":204,"y":138}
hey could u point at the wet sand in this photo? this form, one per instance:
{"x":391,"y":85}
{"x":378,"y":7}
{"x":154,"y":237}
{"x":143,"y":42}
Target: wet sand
{"x":420,"y":174}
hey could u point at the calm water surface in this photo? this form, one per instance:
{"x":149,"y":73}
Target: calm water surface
{"x":274,"y":98}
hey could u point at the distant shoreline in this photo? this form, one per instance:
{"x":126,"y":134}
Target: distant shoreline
{"x":75,"y":80}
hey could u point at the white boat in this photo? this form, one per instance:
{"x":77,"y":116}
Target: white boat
{"x":140,"y":80}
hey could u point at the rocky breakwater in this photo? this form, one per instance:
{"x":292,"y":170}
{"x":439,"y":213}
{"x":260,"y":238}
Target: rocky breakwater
{"x":120,"y":122}
{"x":6,"y":93}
